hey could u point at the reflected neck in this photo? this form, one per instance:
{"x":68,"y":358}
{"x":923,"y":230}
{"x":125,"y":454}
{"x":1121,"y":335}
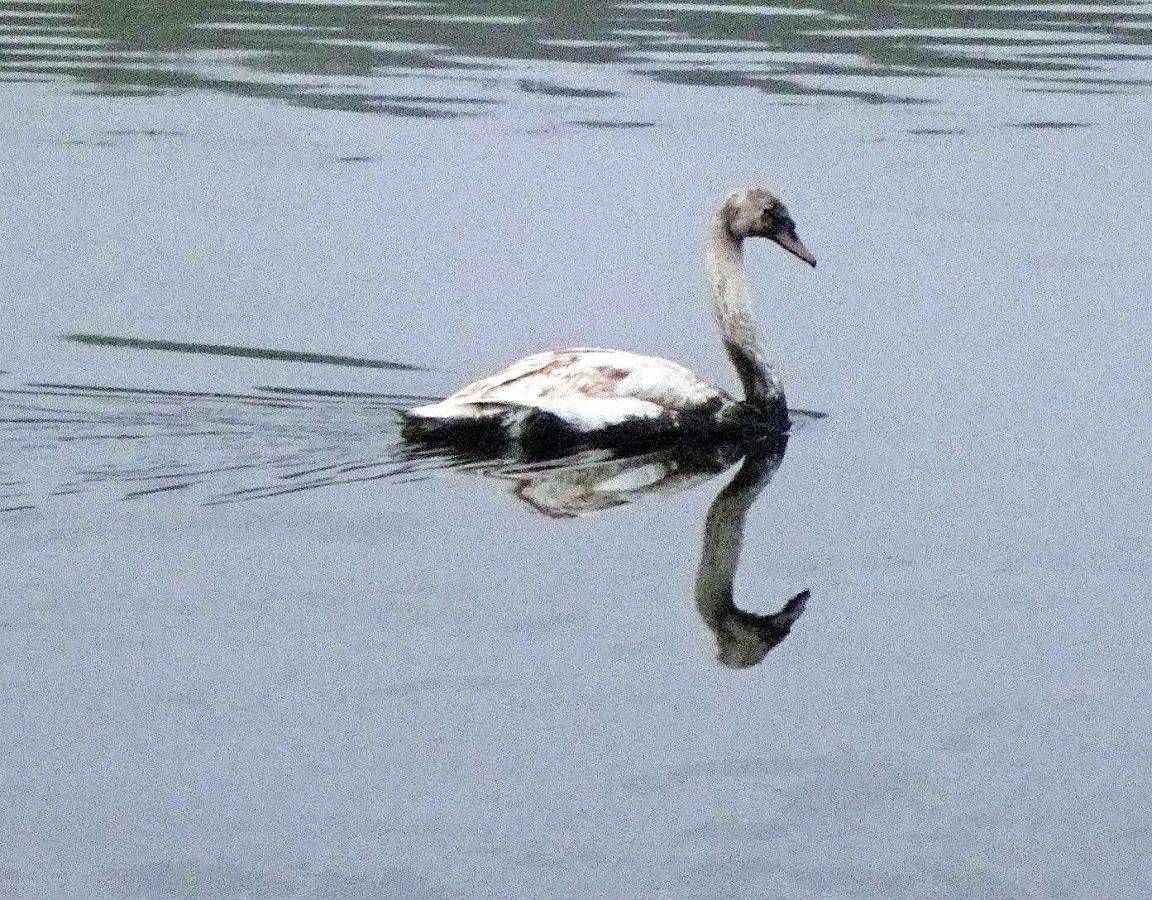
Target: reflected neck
{"x":742,"y":638}
{"x":728,"y":279}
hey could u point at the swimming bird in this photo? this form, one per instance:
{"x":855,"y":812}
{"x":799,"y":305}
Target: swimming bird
{"x":612,"y":398}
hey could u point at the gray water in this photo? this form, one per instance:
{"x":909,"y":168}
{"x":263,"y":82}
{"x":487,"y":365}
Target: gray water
{"x":250,"y":646}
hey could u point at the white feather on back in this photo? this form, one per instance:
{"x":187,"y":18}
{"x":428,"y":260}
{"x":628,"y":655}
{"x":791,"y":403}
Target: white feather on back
{"x":587,"y":387}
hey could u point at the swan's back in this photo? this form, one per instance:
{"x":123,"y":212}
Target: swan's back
{"x":586,"y":387}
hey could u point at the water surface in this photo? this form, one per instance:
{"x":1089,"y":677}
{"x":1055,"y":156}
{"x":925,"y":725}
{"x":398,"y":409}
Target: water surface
{"x":254,"y":647}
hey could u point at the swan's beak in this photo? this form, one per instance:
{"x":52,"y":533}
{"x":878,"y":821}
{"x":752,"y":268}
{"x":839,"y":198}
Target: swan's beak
{"x":792,"y":243}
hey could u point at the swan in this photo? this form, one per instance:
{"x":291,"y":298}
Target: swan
{"x":612,"y":398}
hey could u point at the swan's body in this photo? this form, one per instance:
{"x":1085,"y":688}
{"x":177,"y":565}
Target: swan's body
{"x":588,"y":387}
{"x":611,"y":397}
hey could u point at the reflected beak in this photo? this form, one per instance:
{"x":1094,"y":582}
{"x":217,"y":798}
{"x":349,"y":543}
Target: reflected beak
{"x":790,"y":242}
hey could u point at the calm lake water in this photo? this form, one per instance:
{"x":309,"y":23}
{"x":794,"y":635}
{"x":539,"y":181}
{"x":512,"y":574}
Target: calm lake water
{"x":250,"y":647}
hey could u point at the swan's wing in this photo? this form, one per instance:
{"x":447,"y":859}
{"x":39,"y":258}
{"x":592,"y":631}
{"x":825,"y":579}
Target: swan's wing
{"x":587,"y":387}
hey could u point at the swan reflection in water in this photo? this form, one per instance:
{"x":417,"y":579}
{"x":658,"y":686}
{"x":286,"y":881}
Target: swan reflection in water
{"x":58,"y":440}
{"x":580,"y":486}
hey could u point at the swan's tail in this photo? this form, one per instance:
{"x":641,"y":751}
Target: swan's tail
{"x":476,"y":425}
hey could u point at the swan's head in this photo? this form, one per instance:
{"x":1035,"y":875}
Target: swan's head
{"x":757,"y":212}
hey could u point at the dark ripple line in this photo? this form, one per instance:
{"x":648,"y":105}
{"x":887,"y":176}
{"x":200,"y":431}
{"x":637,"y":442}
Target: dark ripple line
{"x":352,"y":395}
{"x":103,"y":390}
{"x":158,"y":490}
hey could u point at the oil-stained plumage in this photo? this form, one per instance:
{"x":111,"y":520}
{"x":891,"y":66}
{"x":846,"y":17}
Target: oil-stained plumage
{"x":615,"y":398}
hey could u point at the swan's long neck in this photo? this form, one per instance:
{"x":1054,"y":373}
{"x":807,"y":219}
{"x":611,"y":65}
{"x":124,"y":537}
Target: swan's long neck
{"x":728,"y":279}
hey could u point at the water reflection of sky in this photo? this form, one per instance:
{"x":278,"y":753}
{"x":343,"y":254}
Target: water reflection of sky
{"x":419,"y":59}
